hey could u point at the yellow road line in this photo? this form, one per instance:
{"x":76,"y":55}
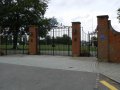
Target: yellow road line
{"x":111,"y":87}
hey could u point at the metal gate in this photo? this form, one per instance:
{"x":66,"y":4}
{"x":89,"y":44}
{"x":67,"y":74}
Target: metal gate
{"x":7,"y":43}
{"x":58,"y":41}
{"x":88,"y":43}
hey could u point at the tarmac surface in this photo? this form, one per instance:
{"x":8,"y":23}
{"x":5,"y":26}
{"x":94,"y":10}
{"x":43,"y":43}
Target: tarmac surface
{"x":17,"y":77}
{"x":24,"y":72}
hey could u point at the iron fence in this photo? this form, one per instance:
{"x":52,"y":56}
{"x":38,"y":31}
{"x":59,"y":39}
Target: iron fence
{"x":58,"y":41}
{"x":88,"y":43}
{"x":7,"y":43}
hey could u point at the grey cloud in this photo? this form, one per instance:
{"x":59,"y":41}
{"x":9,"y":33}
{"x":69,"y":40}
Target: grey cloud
{"x":82,"y":10}
{"x":72,"y":3}
{"x":117,"y":3}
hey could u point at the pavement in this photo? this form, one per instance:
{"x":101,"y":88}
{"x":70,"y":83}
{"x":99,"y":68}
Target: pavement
{"x":86,"y":64}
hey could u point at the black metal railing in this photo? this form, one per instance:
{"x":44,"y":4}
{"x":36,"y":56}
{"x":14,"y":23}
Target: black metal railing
{"x":7,"y":44}
{"x":58,"y":41}
{"x":88,"y":43}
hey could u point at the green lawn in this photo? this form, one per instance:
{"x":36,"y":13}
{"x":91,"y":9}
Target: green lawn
{"x":56,"y":47}
{"x":11,"y":46}
{"x":88,"y":48}
{"x":50,"y":47}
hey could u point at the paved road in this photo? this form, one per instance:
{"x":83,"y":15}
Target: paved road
{"x":113,"y":84}
{"x":20,"y":77}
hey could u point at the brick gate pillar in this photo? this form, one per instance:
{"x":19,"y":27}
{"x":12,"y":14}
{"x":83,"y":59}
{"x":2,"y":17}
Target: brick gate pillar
{"x":33,"y":49}
{"x":76,"y":26}
{"x":103,"y":37}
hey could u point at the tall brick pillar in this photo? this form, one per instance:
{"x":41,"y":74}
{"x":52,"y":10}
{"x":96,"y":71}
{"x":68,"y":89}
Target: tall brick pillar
{"x":76,"y":26}
{"x":103,"y":37}
{"x":33,"y":49}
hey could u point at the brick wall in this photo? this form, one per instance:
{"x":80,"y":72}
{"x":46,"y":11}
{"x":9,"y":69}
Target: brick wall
{"x":108,"y":40}
{"x":114,"y":45}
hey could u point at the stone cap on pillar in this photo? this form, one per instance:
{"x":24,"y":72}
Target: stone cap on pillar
{"x":102,"y":21}
{"x":103,"y":16}
{"x":32,"y":26}
{"x":76,"y":22}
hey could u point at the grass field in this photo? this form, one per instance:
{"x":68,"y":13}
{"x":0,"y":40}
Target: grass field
{"x":56,"y":47}
{"x":9,"y":47}
{"x":50,"y":47}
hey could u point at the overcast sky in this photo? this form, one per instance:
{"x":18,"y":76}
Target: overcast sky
{"x":84,"y":11}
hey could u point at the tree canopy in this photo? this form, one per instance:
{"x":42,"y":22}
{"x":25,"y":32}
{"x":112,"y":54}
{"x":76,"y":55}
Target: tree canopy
{"x":53,"y":22}
{"x":21,"y":13}
{"x":46,"y":25}
{"x":18,"y":14}
{"x":118,"y":14}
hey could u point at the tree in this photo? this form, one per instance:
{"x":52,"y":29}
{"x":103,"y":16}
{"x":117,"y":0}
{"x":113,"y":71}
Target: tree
{"x":48,"y":39}
{"x":46,"y":25}
{"x":118,"y":14}
{"x":53,"y":22}
{"x":58,"y":40}
{"x":66,"y":39}
{"x":94,"y":41}
{"x":17,"y":14}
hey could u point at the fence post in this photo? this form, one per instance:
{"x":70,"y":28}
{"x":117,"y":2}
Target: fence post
{"x":1,"y":51}
{"x":89,"y":43}
{"x":76,"y":32}
{"x":0,"y":43}
{"x":68,"y":41}
{"x":33,"y":42}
